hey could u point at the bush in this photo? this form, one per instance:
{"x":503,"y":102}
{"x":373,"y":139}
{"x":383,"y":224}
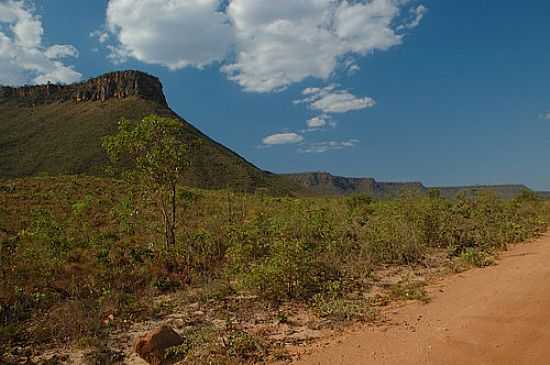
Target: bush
{"x":292,"y":269}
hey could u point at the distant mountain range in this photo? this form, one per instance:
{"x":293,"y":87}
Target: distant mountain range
{"x":57,"y":130}
{"x":323,"y":183}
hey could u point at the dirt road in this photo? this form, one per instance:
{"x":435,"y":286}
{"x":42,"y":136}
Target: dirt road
{"x":498,"y":315}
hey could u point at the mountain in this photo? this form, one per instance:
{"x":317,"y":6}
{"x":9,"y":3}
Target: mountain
{"x":323,"y":183}
{"x":503,"y":191}
{"x":57,"y":130}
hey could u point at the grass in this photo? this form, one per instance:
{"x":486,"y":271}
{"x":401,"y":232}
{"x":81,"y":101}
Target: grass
{"x":93,"y":247}
{"x":64,"y":138}
{"x":408,"y":289}
{"x":209,"y":345}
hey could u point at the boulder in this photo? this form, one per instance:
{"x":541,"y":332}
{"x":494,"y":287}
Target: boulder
{"x":151,"y":346}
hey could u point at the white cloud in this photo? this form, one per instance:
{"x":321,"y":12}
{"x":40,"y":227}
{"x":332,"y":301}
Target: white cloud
{"x":317,"y":122}
{"x":545,"y":116}
{"x":342,"y":102}
{"x":325,"y":146}
{"x":418,"y":14}
{"x":61,"y":51}
{"x":353,"y":69}
{"x":23,"y":58}
{"x":331,"y":100}
{"x":286,"y":41}
{"x":266,"y":45}
{"x":102,"y":36}
{"x":60,"y":74}
{"x":175,"y":33}
{"x":117,"y":55}
{"x":282,"y":138}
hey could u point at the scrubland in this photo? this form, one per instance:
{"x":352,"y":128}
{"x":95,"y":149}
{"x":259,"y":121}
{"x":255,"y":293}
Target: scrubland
{"x":83,"y":262}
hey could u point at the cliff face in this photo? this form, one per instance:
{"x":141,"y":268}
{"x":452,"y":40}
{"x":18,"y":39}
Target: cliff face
{"x":115,"y":85}
{"x":325,"y":183}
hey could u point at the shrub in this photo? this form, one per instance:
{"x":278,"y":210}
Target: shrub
{"x":291,"y":269}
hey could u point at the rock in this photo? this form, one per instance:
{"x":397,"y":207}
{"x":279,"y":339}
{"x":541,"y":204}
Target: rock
{"x":3,"y":236}
{"x":151,"y":346}
{"x":114,"y":85}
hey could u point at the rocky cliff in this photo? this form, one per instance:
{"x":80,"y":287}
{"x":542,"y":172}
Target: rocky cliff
{"x":114,"y":85}
{"x":325,"y":183}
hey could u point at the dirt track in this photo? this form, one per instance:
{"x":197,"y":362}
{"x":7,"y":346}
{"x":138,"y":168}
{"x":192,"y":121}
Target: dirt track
{"x":498,"y":315}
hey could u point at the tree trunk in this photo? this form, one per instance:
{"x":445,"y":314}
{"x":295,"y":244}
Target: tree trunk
{"x":169,"y":223}
{"x":173,"y":226}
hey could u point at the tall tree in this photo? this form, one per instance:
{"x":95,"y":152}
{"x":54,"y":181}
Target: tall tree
{"x":152,"y":152}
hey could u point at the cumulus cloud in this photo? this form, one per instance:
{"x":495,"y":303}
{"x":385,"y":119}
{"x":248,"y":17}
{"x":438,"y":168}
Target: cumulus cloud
{"x":331,"y":100}
{"x":286,"y":41}
{"x":175,"y":33}
{"x":23,"y":58}
{"x":545,"y":116}
{"x":282,"y":138}
{"x":325,"y":146}
{"x":265,"y":45}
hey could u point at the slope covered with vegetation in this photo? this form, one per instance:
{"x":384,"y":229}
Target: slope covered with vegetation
{"x":57,"y":130}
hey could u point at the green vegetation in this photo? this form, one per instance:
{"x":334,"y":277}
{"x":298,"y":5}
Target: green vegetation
{"x":64,"y":138}
{"x":208,"y":345}
{"x":152,"y":155}
{"x":91,"y":247}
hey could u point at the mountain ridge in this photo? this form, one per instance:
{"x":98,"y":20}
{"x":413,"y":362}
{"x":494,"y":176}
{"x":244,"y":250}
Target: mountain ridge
{"x":324,"y":183}
{"x":112,"y":85}
{"x":57,"y":130}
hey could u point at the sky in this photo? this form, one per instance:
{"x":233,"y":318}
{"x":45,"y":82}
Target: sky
{"x":444,"y":92}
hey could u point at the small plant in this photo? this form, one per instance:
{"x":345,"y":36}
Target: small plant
{"x":339,"y":309}
{"x":207,"y":345}
{"x":408,"y":289}
{"x":476,"y":258}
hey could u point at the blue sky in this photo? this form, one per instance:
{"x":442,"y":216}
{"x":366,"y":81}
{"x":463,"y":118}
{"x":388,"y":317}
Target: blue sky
{"x":445,"y":92}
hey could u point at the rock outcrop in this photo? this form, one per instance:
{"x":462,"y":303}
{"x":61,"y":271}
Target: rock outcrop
{"x":324,"y":183}
{"x":151,"y":346}
{"x":327,"y":184}
{"x":114,"y":85}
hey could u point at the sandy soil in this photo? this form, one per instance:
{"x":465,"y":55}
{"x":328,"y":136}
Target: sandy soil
{"x":497,"y":315}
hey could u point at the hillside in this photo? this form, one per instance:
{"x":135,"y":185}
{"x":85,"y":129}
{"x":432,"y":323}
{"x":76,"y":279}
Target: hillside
{"x":324,"y":183}
{"x":57,"y":130}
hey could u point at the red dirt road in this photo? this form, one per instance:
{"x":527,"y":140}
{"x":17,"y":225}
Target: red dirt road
{"x":498,"y":315}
